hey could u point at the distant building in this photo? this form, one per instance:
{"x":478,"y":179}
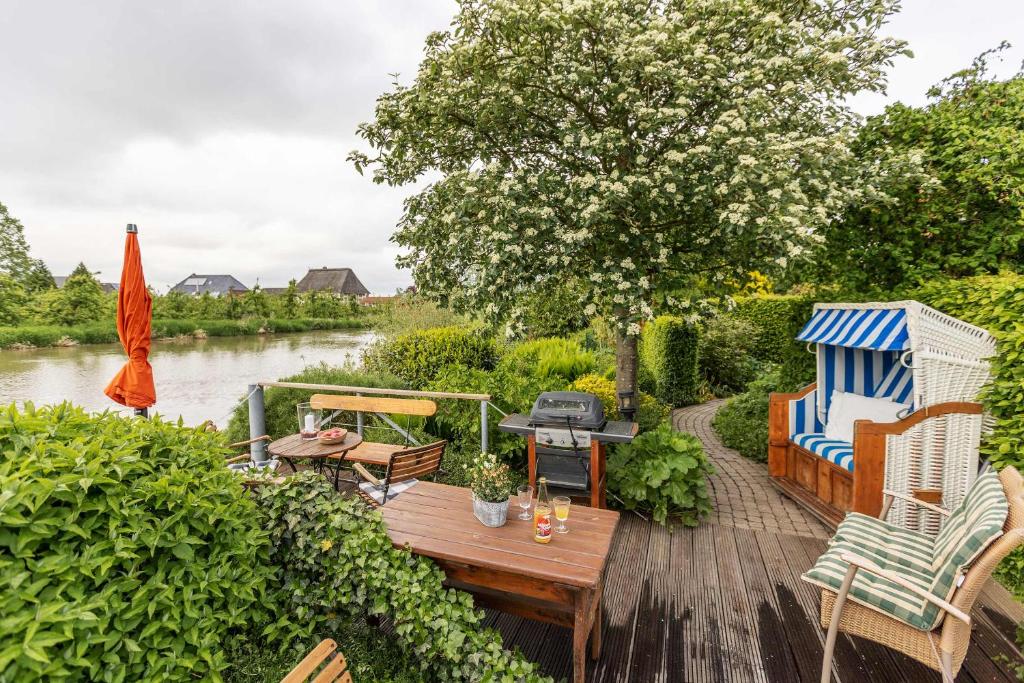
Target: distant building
{"x":273,"y":290}
{"x":337,"y":280}
{"x":216,"y":285}
{"x":108,"y":287}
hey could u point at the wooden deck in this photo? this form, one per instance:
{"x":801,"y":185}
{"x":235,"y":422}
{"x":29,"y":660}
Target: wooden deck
{"x":720,"y":603}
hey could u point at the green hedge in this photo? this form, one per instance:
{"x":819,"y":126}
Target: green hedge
{"x":129,"y":552}
{"x":669,"y":353}
{"x":106,"y":332}
{"x":417,"y":357}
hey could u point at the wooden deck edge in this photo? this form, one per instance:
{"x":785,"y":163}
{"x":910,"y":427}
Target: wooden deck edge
{"x":824,"y":513}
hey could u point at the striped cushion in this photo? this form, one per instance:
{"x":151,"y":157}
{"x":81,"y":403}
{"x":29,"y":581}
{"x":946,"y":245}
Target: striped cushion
{"x":837,"y":452}
{"x":378,"y":493}
{"x":933,"y":565}
{"x":976,"y":523}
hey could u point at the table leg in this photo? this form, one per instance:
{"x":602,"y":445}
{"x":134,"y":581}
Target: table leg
{"x":595,"y":633}
{"x":581,"y":634}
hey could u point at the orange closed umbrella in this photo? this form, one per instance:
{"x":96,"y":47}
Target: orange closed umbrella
{"x":133,"y":386}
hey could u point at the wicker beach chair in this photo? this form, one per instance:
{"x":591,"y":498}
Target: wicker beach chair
{"x":912,"y":592}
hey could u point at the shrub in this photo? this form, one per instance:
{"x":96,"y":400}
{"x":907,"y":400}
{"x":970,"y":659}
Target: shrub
{"x":550,"y":357}
{"x":279,"y":403}
{"x":725,"y":354}
{"x":742,"y":423}
{"x":129,"y":552}
{"x":650,"y":412}
{"x":335,"y":561}
{"x":417,"y":357}
{"x":663,"y":471}
{"x":777,"y":320}
{"x":668,"y":350}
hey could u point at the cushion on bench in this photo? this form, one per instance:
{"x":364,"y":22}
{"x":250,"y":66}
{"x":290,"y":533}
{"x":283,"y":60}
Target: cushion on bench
{"x":836,"y":452}
{"x":378,"y":493}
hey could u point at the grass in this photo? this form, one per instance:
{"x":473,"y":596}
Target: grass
{"x":106,"y":332}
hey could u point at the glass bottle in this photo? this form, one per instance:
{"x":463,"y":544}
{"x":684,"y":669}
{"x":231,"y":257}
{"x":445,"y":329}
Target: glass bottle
{"x":542,"y":513}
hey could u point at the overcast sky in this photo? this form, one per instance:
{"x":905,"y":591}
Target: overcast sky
{"x":221,"y":128}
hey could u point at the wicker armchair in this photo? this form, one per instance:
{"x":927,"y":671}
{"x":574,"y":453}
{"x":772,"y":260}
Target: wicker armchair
{"x":943,"y":646}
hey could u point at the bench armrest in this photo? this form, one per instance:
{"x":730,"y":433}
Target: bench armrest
{"x":365,"y":474}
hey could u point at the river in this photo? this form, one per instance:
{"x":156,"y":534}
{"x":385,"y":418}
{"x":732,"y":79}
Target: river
{"x":196,"y":379}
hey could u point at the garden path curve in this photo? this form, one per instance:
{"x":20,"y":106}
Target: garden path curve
{"x":742,"y":495}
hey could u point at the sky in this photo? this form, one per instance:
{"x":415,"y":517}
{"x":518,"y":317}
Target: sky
{"x":221,"y":128}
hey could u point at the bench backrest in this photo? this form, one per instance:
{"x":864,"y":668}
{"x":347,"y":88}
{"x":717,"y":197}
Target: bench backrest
{"x":318,"y":662}
{"x":373,"y":404}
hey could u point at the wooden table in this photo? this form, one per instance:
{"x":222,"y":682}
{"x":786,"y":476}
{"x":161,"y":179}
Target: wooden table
{"x":560,"y":583}
{"x":294,"y":447}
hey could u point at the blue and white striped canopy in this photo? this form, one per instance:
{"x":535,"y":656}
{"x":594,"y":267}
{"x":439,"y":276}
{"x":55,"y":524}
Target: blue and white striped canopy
{"x":880,"y":329}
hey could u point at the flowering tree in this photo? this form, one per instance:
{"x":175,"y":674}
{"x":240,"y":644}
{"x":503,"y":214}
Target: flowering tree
{"x":642,"y":144}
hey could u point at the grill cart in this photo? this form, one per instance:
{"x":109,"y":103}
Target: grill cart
{"x":566,"y":433}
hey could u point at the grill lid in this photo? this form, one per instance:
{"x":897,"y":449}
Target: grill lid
{"x":567,"y":408}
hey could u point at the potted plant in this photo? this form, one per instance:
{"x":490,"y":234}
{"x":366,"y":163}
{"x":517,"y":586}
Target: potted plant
{"x":492,"y":484}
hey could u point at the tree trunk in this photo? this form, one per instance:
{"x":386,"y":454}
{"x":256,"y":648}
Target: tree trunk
{"x":626,"y":363}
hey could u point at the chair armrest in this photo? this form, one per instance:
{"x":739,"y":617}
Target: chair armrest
{"x":237,"y":458}
{"x":250,"y":441}
{"x":917,"y":501}
{"x":365,"y":474}
{"x":869,"y":566}
{"x":918,"y":416}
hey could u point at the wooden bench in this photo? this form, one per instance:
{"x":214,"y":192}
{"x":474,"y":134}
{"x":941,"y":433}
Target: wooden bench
{"x":333,"y":671}
{"x":371,"y":452}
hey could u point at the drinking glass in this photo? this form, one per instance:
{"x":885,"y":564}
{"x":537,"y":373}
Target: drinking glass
{"x":525,"y":501}
{"x":561,"y":513}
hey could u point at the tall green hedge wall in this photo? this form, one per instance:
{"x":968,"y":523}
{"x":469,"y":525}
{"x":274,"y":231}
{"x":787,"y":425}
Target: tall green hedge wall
{"x":778,"y":319}
{"x":669,"y":353}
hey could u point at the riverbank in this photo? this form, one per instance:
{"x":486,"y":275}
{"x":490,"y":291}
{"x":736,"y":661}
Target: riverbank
{"x":38,"y":336}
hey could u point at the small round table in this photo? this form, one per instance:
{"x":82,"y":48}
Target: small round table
{"x":294,"y":447}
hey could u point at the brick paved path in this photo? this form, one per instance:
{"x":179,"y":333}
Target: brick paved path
{"x":741,"y":493}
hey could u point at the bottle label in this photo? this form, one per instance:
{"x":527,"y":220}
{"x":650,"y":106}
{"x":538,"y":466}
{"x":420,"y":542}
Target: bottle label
{"x":542,"y":526}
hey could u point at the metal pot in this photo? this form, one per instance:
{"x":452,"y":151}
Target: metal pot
{"x":490,"y":514}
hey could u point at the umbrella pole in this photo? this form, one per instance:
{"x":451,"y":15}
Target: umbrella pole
{"x":142,"y":412}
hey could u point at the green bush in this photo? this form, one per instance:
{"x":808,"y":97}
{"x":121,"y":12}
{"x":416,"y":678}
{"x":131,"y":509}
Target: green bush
{"x":662,"y":471}
{"x":650,"y":413}
{"x":417,"y":357}
{"x":778,"y":319}
{"x":668,"y":351}
{"x":550,"y":357}
{"x":742,"y":423}
{"x":279,"y":403}
{"x":726,"y":360}
{"x":129,"y":552}
{"x":336,"y":561}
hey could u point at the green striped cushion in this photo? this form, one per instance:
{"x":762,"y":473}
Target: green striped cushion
{"x":873,"y":591}
{"x":971,"y":528}
{"x":934,"y":566}
{"x":896,"y":544}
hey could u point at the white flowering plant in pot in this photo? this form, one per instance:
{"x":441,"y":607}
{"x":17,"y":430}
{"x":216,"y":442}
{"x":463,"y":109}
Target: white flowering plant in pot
{"x":641,"y":147}
{"x":492,"y":484}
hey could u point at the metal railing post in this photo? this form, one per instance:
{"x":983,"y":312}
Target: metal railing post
{"x":257,"y":423}
{"x":359,"y":420}
{"x":483,"y":427}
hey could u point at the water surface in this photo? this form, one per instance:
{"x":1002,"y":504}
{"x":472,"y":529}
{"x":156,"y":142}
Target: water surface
{"x":197,"y":380}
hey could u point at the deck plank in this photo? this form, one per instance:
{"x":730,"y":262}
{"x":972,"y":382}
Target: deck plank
{"x":648,"y":651}
{"x":739,"y":622}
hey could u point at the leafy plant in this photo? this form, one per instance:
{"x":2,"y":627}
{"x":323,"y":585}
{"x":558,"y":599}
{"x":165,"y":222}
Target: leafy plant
{"x":492,"y":481}
{"x":127,"y":551}
{"x":663,"y":471}
{"x":650,"y":412}
{"x":550,"y":357}
{"x":725,"y":356}
{"x":668,"y":351}
{"x":417,"y":357}
{"x":336,"y":561}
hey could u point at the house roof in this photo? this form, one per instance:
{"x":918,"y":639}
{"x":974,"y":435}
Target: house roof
{"x":337,"y":280}
{"x":214,"y":284}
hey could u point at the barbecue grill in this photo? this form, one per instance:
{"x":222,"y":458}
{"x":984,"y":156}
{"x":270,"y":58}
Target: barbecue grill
{"x":566,"y":433}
